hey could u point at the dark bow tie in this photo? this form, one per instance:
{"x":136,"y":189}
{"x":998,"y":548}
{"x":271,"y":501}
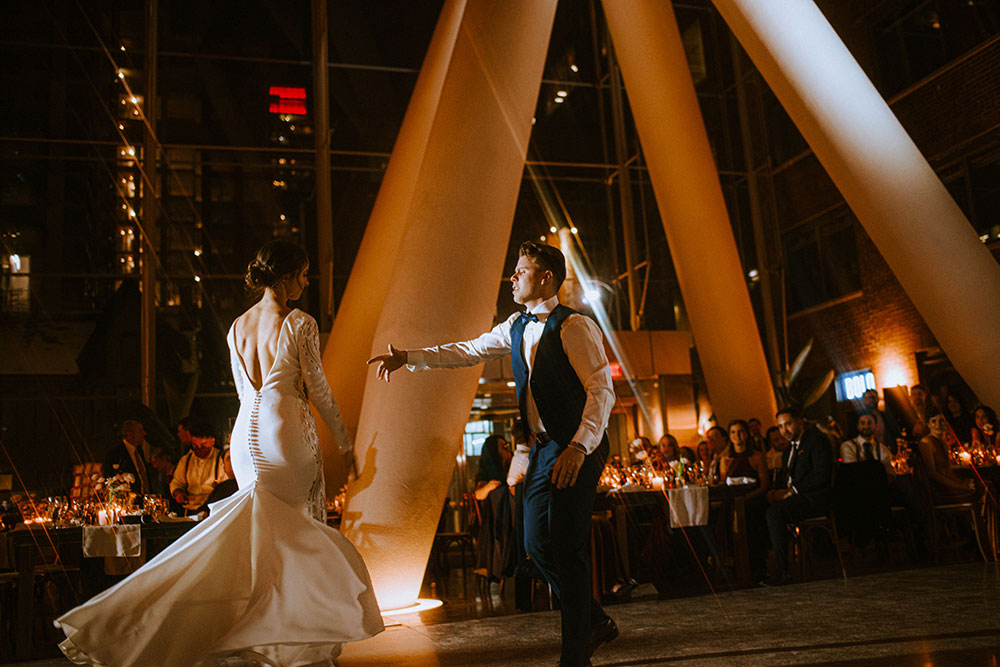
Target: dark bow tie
{"x":529,"y":317}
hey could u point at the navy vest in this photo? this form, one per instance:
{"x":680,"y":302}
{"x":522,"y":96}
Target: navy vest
{"x":558,"y":392}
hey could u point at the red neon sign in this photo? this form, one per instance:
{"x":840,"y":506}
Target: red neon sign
{"x":616,"y":370}
{"x":291,"y":100}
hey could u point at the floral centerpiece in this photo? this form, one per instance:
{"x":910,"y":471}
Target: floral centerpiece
{"x":116,"y":491}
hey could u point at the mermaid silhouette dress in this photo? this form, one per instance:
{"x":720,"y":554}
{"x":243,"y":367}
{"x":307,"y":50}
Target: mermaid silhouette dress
{"x":263,"y":577}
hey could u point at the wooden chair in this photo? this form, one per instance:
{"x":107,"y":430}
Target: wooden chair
{"x":803,"y":537}
{"x":946,"y":513}
{"x":463,"y":540}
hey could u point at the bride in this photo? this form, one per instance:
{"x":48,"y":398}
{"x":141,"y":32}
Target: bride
{"x":263,"y":577}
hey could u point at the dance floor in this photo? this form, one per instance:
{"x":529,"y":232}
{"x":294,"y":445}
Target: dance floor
{"x":935,"y":616}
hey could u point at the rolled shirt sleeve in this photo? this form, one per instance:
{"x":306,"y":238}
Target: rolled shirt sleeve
{"x":584,"y":345}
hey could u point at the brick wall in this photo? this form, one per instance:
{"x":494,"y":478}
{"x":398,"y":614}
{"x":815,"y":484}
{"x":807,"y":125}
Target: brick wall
{"x":951,"y":115}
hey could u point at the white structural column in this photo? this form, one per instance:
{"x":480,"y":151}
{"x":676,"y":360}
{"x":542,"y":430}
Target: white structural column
{"x":899,"y":200}
{"x":350,"y":342}
{"x":443,"y":286}
{"x":663,"y":101}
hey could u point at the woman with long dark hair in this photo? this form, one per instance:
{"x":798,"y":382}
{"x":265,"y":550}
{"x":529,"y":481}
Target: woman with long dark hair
{"x":264,"y":577}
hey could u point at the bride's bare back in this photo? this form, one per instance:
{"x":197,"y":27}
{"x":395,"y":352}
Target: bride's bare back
{"x":256,"y":332}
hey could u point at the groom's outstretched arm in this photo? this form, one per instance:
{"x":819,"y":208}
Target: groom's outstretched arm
{"x":387,"y":363}
{"x":493,"y":344}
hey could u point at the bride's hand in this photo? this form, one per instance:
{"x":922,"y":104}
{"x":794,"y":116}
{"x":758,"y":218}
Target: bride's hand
{"x":387,"y":363}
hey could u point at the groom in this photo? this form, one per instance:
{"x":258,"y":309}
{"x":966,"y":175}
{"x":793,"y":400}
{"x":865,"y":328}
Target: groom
{"x":565,"y":395}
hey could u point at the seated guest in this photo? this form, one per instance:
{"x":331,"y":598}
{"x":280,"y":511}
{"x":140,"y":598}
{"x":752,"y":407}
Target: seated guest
{"x":866,"y":446}
{"x":886,"y":426}
{"x":642,"y":452}
{"x":496,"y":555}
{"x":862,"y":488}
{"x":703,"y":458}
{"x":184,"y":433}
{"x":199,"y":471}
{"x":959,"y":420}
{"x":808,"y":463}
{"x":758,"y":441}
{"x":669,"y":451}
{"x":920,"y":401}
{"x":775,"y":452}
{"x":227,"y":487}
{"x":741,"y":461}
{"x":688,"y":455}
{"x":133,"y":455}
{"x":494,"y":462}
{"x":718,"y":441}
{"x":946,"y":486}
{"x":987,"y":430}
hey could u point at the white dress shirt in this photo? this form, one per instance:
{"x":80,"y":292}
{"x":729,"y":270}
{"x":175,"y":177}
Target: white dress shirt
{"x":852,"y":451}
{"x":584,"y":346}
{"x":198,"y":477}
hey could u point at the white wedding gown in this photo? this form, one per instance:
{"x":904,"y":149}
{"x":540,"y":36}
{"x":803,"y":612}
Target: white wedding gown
{"x":263,"y":577}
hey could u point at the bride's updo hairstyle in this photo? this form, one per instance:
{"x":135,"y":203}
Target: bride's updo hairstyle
{"x":274,"y":261}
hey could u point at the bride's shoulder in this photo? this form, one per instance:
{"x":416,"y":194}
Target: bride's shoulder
{"x":302,"y":320}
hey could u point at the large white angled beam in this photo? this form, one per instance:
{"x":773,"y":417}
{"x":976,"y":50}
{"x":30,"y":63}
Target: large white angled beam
{"x":663,"y":101}
{"x":443,"y":286}
{"x":350,"y":341}
{"x":952,"y":279}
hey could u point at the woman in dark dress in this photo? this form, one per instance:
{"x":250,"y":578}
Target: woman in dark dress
{"x":739,"y":461}
{"x":495,"y":552}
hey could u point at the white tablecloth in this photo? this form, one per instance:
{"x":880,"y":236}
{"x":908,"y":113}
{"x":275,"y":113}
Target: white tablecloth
{"x":688,"y":506}
{"x":119,"y":541}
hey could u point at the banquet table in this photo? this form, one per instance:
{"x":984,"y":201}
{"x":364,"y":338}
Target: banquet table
{"x":621,"y":500}
{"x":29,"y":545}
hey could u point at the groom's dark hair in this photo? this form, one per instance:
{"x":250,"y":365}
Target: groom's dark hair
{"x":549,"y":258}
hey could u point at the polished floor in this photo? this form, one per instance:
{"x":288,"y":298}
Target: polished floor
{"x":932,"y":616}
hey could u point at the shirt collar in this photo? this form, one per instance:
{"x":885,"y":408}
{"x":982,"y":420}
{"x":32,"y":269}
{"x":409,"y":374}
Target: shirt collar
{"x":543,"y":309}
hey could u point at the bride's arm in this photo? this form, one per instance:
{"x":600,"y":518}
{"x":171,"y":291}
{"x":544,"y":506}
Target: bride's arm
{"x":316,"y":384}
{"x":234,"y":361}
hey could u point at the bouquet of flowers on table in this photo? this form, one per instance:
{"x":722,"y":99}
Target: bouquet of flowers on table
{"x":116,"y":491}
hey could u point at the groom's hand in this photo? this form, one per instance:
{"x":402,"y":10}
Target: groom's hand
{"x":567,"y":467}
{"x":387,"y":363}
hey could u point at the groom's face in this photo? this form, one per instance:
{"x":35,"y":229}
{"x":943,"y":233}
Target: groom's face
{"x":528,"y":282}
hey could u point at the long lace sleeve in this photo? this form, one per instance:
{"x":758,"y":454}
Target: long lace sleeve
{"x":316,"y":384}
{"x":234,"y":361}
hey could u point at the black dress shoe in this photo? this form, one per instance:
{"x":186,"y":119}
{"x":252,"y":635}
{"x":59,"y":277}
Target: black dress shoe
{"x":602,"y":633}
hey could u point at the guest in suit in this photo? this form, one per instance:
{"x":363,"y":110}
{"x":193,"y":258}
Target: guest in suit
{"x":808,"y":463}
{"x":132,"y":455}
{"x":565,"y":396}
